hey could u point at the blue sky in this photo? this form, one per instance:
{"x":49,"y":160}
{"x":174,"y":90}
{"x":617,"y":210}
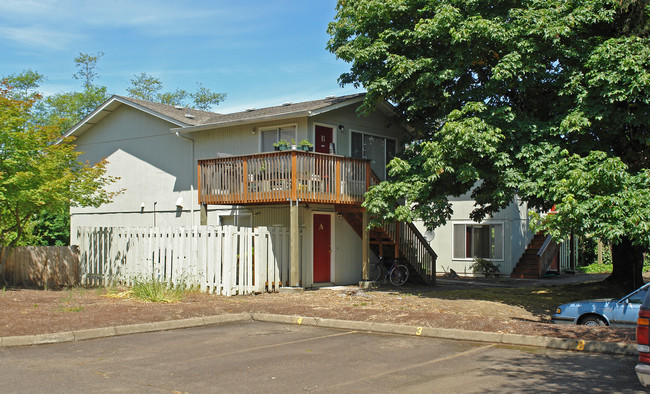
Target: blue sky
{"x":259,"y":52}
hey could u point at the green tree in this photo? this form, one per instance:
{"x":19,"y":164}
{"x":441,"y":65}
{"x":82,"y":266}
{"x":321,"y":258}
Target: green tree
{"x":39,"y":172}
{"x":176,"y":97}
{"x":66,"y":109}
{"x":144,"y":87}
{"x":25,"y":84}
{"x":205,"y":98}
{"x":547,"y":100}
{"x":147,"y":87}
{"x":86,"y":65}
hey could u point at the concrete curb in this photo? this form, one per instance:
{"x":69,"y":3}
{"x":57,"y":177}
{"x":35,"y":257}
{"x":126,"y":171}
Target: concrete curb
{"x":94,"y":333}
{"x":384,"y":328}
{"x":461,"y":335}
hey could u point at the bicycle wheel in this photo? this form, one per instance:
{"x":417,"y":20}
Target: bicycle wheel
{"x":375,"y":272}
{"x":399,"y":275}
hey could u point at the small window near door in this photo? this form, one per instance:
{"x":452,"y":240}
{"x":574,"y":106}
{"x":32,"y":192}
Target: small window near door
{"x":274,"y":134}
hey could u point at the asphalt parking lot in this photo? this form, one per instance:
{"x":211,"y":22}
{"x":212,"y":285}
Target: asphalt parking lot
{"x":270,"y":357}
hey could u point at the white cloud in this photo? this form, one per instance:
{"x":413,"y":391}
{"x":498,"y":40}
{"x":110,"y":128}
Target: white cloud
{"x":37,"y":37}
{"x":153,"y":17}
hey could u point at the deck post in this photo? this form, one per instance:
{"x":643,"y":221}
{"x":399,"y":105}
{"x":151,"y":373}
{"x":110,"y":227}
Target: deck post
{"x":294,"y":246}
{"x":365,"y":247}
{"x":294,"y":175}
{"x":204,"y":214}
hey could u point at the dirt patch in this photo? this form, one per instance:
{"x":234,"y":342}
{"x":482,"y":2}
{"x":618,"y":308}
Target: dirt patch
{"x":26,"y":311}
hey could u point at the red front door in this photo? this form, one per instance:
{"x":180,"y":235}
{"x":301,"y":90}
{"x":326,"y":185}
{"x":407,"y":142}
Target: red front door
{"x":322,"y":247}
{"x":323,"y":138}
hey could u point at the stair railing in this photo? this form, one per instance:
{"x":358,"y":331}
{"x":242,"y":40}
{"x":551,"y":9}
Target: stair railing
{"x":411,"y":244}
{"x":546,"y":254}
{"x":414,"y":248}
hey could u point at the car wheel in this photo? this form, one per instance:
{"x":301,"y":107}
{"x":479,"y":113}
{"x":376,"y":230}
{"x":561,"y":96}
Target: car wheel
{"x":592,"y":321}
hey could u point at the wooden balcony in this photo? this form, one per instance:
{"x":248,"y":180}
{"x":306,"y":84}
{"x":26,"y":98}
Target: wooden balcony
{"x":276,"y":177}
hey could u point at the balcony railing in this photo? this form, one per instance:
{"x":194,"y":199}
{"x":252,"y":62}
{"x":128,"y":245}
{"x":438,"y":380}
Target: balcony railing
{"x":276,"y":177}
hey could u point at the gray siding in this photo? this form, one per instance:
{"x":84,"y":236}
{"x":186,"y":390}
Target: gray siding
{"x":153,"y":166}
{"x":376,"y":123}
{"x":516,"y":236}
{"x":347,"y":253}
{"x":240,"y":140}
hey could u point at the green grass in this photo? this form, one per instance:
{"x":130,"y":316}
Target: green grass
{"x":596,"y":268}
{"x":606,"y":267}
{"x":157,"y":291}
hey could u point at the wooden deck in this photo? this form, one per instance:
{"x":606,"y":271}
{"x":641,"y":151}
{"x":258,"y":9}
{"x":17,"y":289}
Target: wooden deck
{"x":276,"y":177}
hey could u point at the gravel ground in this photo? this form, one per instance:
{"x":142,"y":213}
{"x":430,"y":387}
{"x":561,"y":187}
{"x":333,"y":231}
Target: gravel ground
{"x":28,"y":311}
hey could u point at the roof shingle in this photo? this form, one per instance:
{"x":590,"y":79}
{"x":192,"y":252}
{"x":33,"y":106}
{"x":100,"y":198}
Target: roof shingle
{"x":201,"y":118}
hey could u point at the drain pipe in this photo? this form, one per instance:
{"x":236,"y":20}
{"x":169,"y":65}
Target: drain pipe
{"x":192,"y":172}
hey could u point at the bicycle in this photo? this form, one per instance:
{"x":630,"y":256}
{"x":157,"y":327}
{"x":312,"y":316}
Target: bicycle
{"x":397,"y":274}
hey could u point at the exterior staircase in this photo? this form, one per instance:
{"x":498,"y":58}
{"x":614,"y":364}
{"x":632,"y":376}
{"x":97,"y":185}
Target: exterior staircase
{"x":414,"y":251}
{"x":538,"y":256}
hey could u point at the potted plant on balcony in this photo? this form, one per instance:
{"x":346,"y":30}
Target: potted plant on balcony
{"x":306,"y":146}
{"x":281,"y":145}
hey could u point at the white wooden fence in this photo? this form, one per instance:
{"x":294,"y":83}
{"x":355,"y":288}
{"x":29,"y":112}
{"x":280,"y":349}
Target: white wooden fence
{"x":565,"y":255}
{"x":217,"y":259}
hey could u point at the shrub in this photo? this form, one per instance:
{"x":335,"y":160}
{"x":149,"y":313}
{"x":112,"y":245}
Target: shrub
{"x":155,"y":290}
{"x":486,"y":268}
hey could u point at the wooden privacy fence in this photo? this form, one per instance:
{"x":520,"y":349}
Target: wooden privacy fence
{"x":42,"y":266}
{"x":218,"y":259}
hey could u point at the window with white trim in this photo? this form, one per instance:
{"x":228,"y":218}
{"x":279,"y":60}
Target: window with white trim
{"x":473,"y":241}
{"x":379,"y":150}
{"x":271,"y":135}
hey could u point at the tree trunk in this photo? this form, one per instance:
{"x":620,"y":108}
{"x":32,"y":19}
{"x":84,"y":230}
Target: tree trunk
{"x":627,"y":260}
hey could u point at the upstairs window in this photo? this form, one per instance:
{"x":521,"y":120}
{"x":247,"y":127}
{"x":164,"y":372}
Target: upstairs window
{"x":379,"y":150}
{"x":483,"y":241}
{"x":271,"y":135}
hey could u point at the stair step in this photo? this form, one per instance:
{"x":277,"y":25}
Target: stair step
{"x":528,"y":265}
{"x":380,"y":237}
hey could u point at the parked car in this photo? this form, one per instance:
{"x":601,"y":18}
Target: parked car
{"x":605,"y":312}
{"x":643,"y":342}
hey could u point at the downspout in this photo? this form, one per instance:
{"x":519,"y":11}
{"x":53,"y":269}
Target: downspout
{"x":192,"y":172}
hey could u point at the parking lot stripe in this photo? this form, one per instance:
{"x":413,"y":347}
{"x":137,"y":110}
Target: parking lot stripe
{"x":409,"y":367}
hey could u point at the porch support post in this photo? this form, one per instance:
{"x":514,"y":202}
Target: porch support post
{"x":204,"y":214}
{"x":365,"y":247}
{"x":294,"y":246}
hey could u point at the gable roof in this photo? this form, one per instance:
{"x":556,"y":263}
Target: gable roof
{"x":174,"y":112}
{"x":189,"y":120}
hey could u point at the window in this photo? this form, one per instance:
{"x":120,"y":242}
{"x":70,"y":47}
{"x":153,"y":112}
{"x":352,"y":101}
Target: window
{"x":637,"y":297}
{"x":379,"y":150}
{"x":478,"y":241}
{"x":274,"y":134}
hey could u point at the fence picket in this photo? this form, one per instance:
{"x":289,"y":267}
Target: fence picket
{"x":216,"y":259}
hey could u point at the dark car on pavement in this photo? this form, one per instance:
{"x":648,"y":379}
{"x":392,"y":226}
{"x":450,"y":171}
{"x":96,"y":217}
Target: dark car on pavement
{"x":643,"y":342}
